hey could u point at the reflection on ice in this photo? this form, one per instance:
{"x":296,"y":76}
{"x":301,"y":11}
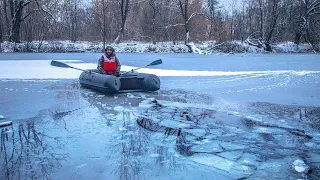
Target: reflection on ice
{"x":27,"y":153}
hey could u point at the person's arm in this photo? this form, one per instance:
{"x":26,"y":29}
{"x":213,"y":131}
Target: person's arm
{"x":118,"y":67}
{"x":100,"y":65}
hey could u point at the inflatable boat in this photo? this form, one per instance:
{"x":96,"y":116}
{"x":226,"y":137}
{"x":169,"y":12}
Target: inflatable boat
{"x":126,"y":82}
{"x":129,"y":81}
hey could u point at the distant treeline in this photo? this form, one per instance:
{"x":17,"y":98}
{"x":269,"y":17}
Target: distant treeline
{"x":257,"y":22}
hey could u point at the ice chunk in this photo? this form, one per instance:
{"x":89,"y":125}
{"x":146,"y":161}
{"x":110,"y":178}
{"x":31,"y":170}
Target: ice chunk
{"x":118,"y":108}
{"x":309,"y":144}
{"x":233,"y":155}
{"x":300,"y":166}
{"x":129,"y":95}
{"x":81,"y":166}
{"x":122,"y":128}
{"x":232,"y":146}
{"x":7,"y":123}
{"x":314,"y":159}
{"x":174,"y":124}
{"x":269,"y":130}
{"x":236,"y":170}
{"x":207,"y":148}
{"x":197,"y":132}
{"x":155,"y":155}
{"x":1,"y":117}
{"x":248,"y":159}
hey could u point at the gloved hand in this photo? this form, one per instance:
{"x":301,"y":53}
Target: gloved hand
{"x":117,"y":74}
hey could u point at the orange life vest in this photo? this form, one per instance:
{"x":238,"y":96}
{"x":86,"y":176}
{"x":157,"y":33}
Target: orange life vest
{"x":110,"y":65}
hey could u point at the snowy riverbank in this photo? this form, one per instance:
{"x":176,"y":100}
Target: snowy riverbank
{"x":142,"y":47}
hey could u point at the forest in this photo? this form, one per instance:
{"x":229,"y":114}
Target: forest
{"x":256,"y":22}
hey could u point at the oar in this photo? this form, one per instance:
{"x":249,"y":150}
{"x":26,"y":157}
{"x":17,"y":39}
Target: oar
{"x":156,"y":62}
{"x":63,"y":65}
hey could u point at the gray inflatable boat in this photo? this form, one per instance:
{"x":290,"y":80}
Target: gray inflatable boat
{"x":129,"y":81}
{"x":126,"y":82}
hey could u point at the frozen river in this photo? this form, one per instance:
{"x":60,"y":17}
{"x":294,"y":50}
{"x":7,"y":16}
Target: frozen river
{"x":219,"y":116}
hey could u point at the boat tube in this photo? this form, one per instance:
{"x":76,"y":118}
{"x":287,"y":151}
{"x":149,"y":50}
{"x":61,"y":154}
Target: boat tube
{"x":126,"y":82}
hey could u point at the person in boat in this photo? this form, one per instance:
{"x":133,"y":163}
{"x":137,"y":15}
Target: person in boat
{"x":109,"y":63}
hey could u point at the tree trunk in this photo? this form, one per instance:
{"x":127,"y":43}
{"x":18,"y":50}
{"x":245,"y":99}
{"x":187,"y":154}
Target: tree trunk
{"x":120,"y":35}
{"x":211,"y":29}
{"x":297,"y":37}
{"x":16,"y":23}
{"x":104,"y":25}
{"x":1,"y":28}
{"x":187,"y":28}
{"x":74,"y":23}
{"x":274,"y":17}
{"x":16,"y":9}
{"x":124,"y":9}
{"x":7,"y":25}
{"x":153,"y":23}
{"x":261,"y":19}
{"x":15,"y":31}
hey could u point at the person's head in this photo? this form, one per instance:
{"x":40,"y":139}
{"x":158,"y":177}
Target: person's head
{"x":109,"y":51}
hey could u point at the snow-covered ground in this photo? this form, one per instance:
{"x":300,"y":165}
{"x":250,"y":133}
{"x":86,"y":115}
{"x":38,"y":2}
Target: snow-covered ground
{"x":206,"y":47}
{"x":219,"y":116}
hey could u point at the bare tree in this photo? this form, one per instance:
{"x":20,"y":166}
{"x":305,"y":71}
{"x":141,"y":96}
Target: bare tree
{"x":124,"y":9}
{"x":210,"y":12}
{"x":1,"y":28}
{"x":261,"y":15}
{"x":104,"y":24}
{"x":233,"y":11}
{"x":184,"y":10}
{"x":5,"y":14}
{"x":273,"y":7}
{"x":308,"y":9}
{"x":16,"y":10}
{"x":153,"y":6}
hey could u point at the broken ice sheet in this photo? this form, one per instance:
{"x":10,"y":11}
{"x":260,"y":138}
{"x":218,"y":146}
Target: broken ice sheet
{"x":268,"y":130}
{"x":231,"y":155}
{"x":196,"y":132}
{"x":174,"y":124}
{"x":233,"y":168}
{"x":232,"y":146}
{"x":248,"y":159}
{"x":275,"y":169}
{"x":207,"y":148}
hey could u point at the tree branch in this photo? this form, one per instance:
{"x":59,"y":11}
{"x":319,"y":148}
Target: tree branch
{"x":199,"y":14}
{"x":29,"y":14}
{"x":173,"y":25}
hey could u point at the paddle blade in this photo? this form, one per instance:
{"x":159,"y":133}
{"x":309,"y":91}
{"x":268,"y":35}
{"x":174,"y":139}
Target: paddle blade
{"x":156,"y":62}
{"x":59,"y":64}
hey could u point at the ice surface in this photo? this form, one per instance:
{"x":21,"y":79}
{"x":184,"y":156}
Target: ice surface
{"x":231,"y":155}
{"x":207,"y":147}
{"x":235,"y":118}
{"x":236,"y":170}
{"x":12,"y":70}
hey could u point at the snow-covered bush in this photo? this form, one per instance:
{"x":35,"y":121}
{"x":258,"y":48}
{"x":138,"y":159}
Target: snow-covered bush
{"x":205,"y":47}
{"x":290,"y":47}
